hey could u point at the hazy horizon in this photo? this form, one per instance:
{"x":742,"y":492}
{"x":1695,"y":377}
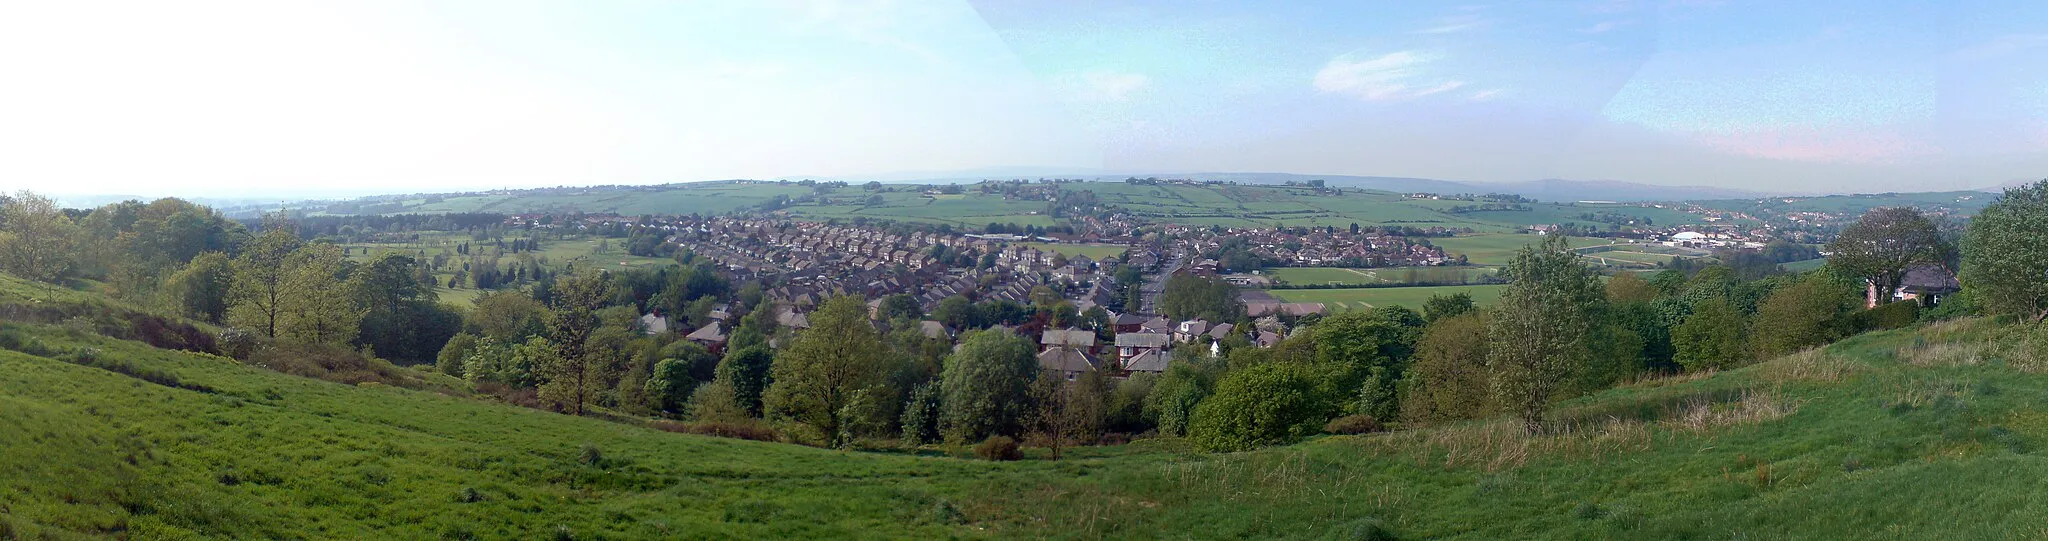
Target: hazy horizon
{"x":263,"y":99}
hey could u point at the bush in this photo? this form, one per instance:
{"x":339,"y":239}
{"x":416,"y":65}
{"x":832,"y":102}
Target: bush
{"x":998,"y":448}
{"x":1365,"y":529}
{"x":1351,"y":425}
{"x":744,"y":430}
{"x":239,"y":343}
{"x":1265,"y":404}
{"x":1889,"y":316}
{"x":1961,"y":304}
{"x":590,"y":455}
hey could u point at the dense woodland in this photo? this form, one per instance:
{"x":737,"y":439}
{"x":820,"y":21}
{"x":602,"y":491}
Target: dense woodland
{"x":283,"y":294}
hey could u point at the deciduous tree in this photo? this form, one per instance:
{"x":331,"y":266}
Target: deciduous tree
{"x":2005,"y":253}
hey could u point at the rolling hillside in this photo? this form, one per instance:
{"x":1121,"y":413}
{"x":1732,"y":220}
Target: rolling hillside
{"x":1921,"y":433}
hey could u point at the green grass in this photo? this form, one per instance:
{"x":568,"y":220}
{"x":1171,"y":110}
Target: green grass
{"x":1388,"y":275}
{"x":1093,"y":251}
{"x":1498,"y":249}
{"x":1341,"y":300}
{"x":1934,"y":432}
{"x":1804,"y":266}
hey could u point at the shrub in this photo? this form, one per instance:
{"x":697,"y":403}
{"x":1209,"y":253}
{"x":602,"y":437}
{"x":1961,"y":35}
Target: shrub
{"x":590,"y":455}
{"x":1365,"y":529}
{"x":998,"y":448}
{"x":1265,"y":404}
{"x":944,"y":512}
{"x":1889,"y":316}
{"x":1351,"y":425}
{"x":744,"y":430}
{"x":239,"y":343}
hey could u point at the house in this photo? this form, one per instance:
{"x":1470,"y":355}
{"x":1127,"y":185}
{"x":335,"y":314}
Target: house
{"x":1268,"y":339}
{"x":1928,"y":284}
{"x":1130,"y":323}
{"x":1131,"y":345}
{"x":792,"y":319}
{"x":654,"y":323}
{"x":1158,"y":325}
{"x":1067,"y":362}
{"x":933,"y":329}
{"x":1077,"y":339}
{"x":1221,"y":331}
{"x":712,"y":337}
{"x":1190,"y":330}
{"x":1152,"y":361}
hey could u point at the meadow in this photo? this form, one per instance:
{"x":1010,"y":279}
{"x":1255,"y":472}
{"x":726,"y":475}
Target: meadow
{"x":1093,"y":251}
{"x":1378,"y":276}
{"x":1926,"y":432}
{"x":1342,"y":300}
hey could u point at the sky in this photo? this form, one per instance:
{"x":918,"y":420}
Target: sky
{"x":272,"y":97}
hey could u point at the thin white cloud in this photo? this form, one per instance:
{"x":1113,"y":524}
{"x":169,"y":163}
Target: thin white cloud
{"x":1488,"y":94}
{"x":1452,"y":28}
{"x":1392,"y":76}
{"x":1107,"y":85}
{"x":2001,"y":46}
{"x":1603,"y":27}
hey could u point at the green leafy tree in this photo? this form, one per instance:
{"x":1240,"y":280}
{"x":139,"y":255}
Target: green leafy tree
{"x":1171,"y":404}
{"x":36,"y":238}
{"x":260,"y":286}
{"x":575,"y":370}
{"x":1440,"y":307}
{"x":1885,"y":242}
{"x":825,"y":369}
{"x":1711,"y":338}
{"x":1811,"y":312}
{"x":1260,"y":405}
{"x":2005,"y":254}
{"x":1064,"y":412}
{"x":671,"y":384}
{"x":318,"y":309}
{"x":921,"y":414}
{"x":458,"y":349}
{"x":986,"y":386}
{"x":1538,"y":339}
{"x":1189,"y":296}
{"x":201,"y":289}
{"x":746,"y":370}
{"x":1449,"y":379}
{"x":901,"y":306}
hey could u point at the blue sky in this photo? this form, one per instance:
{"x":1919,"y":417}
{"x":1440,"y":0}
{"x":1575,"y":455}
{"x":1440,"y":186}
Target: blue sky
{"x":225,"y":98}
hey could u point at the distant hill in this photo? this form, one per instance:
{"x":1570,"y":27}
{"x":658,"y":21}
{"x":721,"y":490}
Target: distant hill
{"x":1552,"y":189}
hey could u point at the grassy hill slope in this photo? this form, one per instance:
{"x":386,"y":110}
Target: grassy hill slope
{"x":1931,"y":432}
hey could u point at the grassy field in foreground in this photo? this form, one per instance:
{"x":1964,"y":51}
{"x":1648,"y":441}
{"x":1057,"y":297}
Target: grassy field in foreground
{"x":1934,"y":432}
{"x":1342,"y":300}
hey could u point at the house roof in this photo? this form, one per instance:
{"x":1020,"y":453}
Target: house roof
{"x":933,"y":329}
{"x":1149,"y":361}
{"x":654,"y":323}
{"x":1221,"y":330}
{"x":1131,"y":319}
{"x":1066,"y":360}
{"x":1142,"y":340}
{"x":1930,"y":278}
{"x":710,"y":333}
{"x":1067,"y":337}
{"x":1193,"y":326}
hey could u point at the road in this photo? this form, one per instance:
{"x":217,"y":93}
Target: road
{"x":1156,"y":283}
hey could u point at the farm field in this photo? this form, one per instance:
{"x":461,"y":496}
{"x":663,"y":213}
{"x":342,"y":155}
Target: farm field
{"x":1093,"y":251}
{"x":1499,"y":249}
{"x":1388,"y":275}
{"x":1342,"y":300}
{"x":1804,"y":266}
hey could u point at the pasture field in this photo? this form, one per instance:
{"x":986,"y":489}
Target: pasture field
{"x":1094,"y":251}
{"x":1341,"y":300}
{"x":1927,"y":432}
{"x":1387,"y":275}
{"x":1498,"y":249}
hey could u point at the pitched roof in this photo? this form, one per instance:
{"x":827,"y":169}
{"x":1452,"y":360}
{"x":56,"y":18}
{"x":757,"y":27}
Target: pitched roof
{"x":1930,"y":278}
{"x":1149,"y":361}
{"x":1221,"y":330}
{"x":1066,"y":360}
{"x":1142,"y":340}
{"x":1067,"y":337}
{"x":933,"y":329}
{"x":710,"y":333}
